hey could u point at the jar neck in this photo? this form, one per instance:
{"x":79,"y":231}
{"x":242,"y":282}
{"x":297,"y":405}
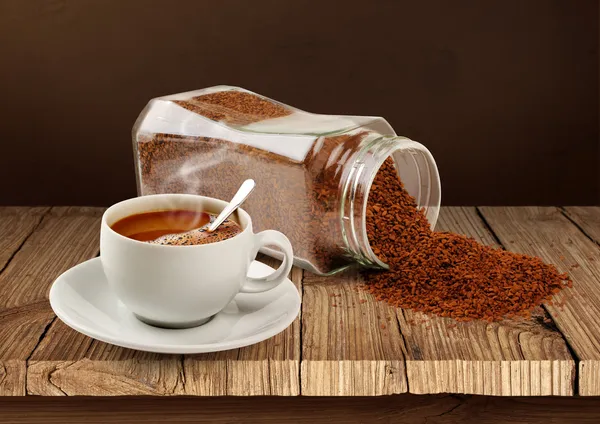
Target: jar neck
{"x":417,"y":170}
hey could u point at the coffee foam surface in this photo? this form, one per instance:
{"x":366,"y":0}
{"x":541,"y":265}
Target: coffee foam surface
{"x":226,"y":230}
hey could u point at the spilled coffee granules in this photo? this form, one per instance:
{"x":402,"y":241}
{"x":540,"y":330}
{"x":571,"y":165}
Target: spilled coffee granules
{"x":443,"y":273}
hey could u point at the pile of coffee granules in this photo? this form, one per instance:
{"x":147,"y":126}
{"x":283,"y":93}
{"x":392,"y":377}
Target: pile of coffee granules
{"x":443,"y":273}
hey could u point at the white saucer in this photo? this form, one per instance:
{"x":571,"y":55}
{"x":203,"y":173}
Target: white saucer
{"x":82,"y":299}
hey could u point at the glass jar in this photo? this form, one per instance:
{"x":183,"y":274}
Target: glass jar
{"x":313,"y":172}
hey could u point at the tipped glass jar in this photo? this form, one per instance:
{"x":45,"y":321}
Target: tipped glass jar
{"x":313,"y":172}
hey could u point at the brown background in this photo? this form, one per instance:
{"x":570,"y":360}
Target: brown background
{"x":504,"y":93}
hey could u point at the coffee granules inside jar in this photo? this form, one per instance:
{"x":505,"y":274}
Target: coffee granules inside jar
{"x":298,"y":198}
{"x":443,"y":273}
{"x":234,"y":107}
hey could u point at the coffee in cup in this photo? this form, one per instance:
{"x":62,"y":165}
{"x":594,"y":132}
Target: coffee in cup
{"x":175,"y":227}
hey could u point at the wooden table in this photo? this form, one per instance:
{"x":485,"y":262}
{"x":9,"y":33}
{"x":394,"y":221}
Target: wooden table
{"x":344,"y":344}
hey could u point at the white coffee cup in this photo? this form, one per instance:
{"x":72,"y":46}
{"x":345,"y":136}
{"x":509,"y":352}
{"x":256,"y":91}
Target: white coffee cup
{"x":184,"y":286}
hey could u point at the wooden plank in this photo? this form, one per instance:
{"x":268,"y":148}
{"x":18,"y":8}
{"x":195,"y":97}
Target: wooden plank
{"x":221,"y":410}
{"x":69,"y":363}
{"x":104,"y":370}
{"x":588,"y":218}
{"x":432,"y":409}
{"x":547,"y":233}
{"x":64,"y":237}
{"x":351,"y":344}
{"x":509,"y":358}
{"x":12,"y":378}
{"x":16,"y":225}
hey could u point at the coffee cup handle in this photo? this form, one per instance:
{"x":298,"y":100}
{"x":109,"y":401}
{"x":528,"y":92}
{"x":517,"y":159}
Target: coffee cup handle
{"x":263,"y":284}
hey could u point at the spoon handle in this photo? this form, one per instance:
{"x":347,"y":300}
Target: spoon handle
{"x":241,"y":195}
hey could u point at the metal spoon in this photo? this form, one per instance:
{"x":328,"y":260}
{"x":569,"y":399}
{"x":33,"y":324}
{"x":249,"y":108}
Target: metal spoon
{"x":241,"y":195}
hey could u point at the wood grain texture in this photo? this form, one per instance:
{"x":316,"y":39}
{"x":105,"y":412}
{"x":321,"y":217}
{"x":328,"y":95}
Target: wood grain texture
{"x":588,"y":218}
{"x":508,"y":358}
{"x":431,"y":409}
{"x":275,"y":410}
{"x":12,"y":377}
{"x":521,"y":410}
{"x":547,"y":233}
{"x":16,"y":224}
{"x":63,"y":238}
{"x":351,"y":344}
{"x":69,"y":363}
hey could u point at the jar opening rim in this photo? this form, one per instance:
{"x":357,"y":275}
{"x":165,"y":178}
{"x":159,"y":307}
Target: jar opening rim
{"x":404,"y":152}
